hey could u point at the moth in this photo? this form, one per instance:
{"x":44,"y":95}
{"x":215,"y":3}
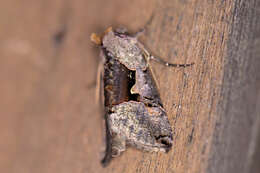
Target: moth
{"x":134,"y":113}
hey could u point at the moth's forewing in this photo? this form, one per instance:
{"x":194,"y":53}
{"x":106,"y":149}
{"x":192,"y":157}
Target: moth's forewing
{"x":117,"y":80}
{"x":129,"y":86}
{"x":99,"y":96}
{"x":100,"y":100}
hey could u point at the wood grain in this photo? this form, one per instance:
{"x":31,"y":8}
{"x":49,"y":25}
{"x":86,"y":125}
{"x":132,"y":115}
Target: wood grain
{"x":50,"y":123}
{"x":236,"y":139}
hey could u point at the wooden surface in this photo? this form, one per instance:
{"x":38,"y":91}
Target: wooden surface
{"x":50,"y":122}
{"x":236,"y":139}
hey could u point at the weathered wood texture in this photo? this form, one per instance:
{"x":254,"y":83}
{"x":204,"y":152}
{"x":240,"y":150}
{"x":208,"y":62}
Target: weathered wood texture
{"x":236,"y":139}
{"x":50,"y":123}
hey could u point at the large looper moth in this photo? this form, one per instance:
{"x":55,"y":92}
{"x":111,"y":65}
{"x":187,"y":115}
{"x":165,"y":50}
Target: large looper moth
{"x":134,"y":113}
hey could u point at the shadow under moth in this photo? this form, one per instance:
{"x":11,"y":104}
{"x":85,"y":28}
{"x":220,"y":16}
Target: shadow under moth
{"x":134,"y":113}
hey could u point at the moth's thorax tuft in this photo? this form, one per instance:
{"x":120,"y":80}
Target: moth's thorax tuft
{"x":126,"y":49}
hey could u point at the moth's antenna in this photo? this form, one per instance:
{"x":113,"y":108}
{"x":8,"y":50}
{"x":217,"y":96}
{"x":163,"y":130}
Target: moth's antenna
{"x":159,"y":60}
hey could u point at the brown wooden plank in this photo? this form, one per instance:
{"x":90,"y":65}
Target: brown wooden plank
{"x":236,"y":138}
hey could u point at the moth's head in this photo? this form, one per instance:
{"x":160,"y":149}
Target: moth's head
{"x":97,"y":39}
{"x":121,"y":30}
